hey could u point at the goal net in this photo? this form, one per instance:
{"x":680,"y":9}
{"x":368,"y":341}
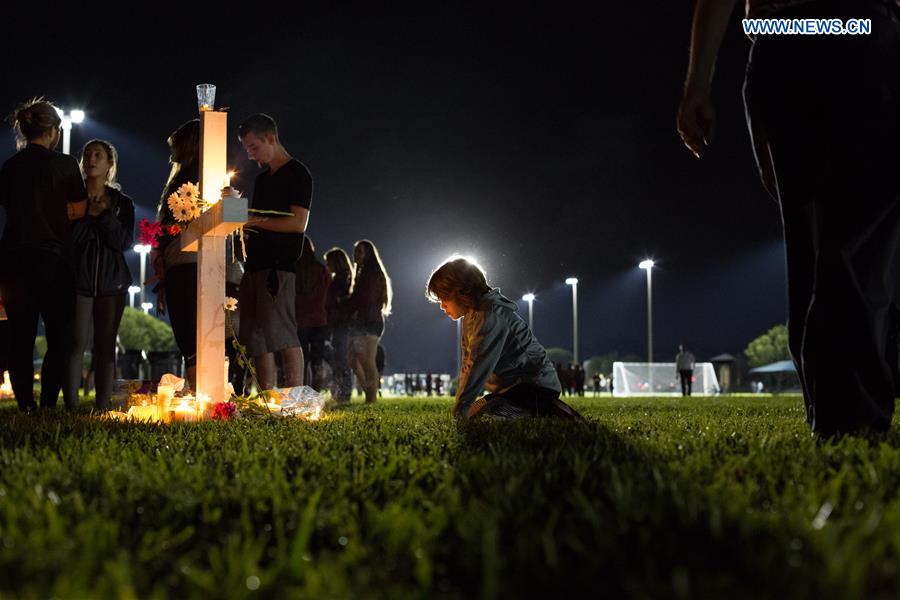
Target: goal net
{"x":660,"y":379}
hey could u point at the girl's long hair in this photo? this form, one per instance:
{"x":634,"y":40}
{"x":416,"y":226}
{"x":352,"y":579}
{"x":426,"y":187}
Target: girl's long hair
{"x":184,"y":146}
{"x":309,"y":268}
{"x":111,"y":154}
{"x":339,"y":264}
{"x":372,"y":270}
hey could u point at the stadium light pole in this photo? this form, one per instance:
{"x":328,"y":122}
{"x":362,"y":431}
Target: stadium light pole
{"x":132,"y":290}
{"x":529,"y":298}
{"x":146,"y":306}
{"x":647,"y":265}
{"x":143,"y":250}
{"x":573,"y":281}
{"x":73,"y":117}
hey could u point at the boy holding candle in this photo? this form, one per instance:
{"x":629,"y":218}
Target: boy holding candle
{"x":274,"y":243}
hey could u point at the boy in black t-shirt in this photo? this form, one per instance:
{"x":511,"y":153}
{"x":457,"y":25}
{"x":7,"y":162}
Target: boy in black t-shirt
{"x":268,"y":323}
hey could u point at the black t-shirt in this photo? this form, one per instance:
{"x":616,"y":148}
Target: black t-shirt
{"x":289,"y":185}
{"x":35,"y":186}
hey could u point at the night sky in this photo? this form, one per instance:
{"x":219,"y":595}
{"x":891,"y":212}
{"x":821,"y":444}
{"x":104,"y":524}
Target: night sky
{"x":541,"y":141}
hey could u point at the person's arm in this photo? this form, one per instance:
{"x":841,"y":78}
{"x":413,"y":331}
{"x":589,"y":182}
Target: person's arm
{"x":696,"y":114}
{"x":76,"y":193}
{"x":481,"y":360}
{"x":76,"y":210}
{"x":293,"y":224}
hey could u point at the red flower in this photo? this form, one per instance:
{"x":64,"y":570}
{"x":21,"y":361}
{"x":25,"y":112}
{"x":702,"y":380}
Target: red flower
{"x":149,"y":232}
{"x":224,"y":410}
{"x":173,"y":229}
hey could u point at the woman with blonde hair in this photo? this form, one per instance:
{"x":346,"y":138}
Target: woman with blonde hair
{"x":370,"y":303}
{"x":101,"y":276}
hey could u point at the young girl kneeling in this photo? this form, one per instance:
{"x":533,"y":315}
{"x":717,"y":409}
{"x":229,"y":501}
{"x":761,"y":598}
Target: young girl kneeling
{"x":499,"y":351}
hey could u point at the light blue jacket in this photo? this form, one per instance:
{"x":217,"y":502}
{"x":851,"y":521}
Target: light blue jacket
{"x":498,"y":352}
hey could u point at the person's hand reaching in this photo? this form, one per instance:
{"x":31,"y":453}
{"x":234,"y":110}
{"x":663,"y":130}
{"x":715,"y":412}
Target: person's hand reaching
{"x":696,"y":120}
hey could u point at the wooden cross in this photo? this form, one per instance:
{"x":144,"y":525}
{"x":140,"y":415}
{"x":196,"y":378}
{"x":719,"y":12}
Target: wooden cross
{"x":206,"y":236}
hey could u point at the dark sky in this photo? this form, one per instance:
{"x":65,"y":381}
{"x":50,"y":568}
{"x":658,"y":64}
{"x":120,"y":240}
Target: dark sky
{"x":539,"y":140}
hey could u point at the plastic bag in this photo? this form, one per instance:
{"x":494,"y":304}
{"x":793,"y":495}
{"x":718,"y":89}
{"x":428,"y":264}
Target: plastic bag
{"x":301,"y":401}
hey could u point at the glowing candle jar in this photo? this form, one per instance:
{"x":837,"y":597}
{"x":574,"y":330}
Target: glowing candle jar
{"x":184,"y":413}
{"x":144,"y":413}
{"x":164,"y":394}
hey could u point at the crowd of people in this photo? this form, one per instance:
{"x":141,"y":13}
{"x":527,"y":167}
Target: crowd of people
{"x":68,"y":225}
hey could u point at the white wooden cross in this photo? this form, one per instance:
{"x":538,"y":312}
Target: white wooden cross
{"x":206,"y":236}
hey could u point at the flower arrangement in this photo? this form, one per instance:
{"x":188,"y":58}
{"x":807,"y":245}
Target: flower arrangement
{"x":149,"y":233}
{"x":223,"y":410}
{"x":186,"y":203}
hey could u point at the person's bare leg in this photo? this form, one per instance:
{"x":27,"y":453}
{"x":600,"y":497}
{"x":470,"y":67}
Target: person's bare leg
{"x":370,"y":345}
{"x":356,"y":362}
{"x":292,"y":361}
{"x":265,"y":370}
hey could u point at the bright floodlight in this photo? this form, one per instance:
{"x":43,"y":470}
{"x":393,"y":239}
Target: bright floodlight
{"x":77,"y":116}
{"x":147,"y":306}
{"x":646,"y":264}
{"x":528,"y":297}
{"x":142,"y":248}
{"x":134,"y":289}
{"x":572,"y":281}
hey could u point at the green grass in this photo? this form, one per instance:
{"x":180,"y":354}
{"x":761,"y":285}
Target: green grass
{"x":707,"y":497}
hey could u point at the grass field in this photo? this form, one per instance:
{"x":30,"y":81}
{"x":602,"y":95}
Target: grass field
{"x":707,"y":497}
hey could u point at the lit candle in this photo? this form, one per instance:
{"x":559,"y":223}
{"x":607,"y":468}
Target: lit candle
{"x":164,"y":394}
{"x":184,"y":412}
{"x":144,"y":413}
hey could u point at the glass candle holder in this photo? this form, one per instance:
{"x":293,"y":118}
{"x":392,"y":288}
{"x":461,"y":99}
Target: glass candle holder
{"x":206,"y":97}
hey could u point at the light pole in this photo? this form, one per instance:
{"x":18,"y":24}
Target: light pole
{"x":146,"y":306}
{"x":143,"y":250}
{"x":573,"y":281}
{"x":647,"y":265}
{"x":132,"y":290}
{"x":529,"y":298}
{"x":74,"y":116}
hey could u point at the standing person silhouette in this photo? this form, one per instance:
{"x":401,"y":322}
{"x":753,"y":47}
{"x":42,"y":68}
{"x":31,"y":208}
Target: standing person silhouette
{"x":827,"y":145}
{"x":337,"y":298}
{"x":41,"y":190}
{"x":370,"y":303}
{"x":274,"y":244}
{"x":102,"y":277}
{"x":176,"y":271}
{"x":684,"y":368}
{"x":312,"y":316}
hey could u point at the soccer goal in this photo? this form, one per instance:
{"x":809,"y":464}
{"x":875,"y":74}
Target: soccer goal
{"x":660,"y":379}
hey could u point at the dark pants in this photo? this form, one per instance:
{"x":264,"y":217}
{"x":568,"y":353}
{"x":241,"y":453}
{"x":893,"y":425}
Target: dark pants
{"x":340,"y":363}
{"x":105,"y":314}
{"x":827,"y":109}
{"x":43,"y":285}
{"x":525,"y":400}
{"x":687,"y":378}
{"x":312,"y":342}
{"x":181,"y":304}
